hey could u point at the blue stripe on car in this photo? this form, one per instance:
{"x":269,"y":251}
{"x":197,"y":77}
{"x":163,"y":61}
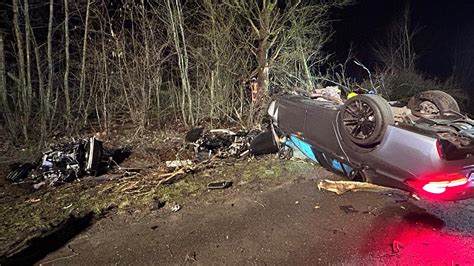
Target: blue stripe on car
{"x":307,"y":150}
{"x":336,"y":165}
{"x":304,"y":147}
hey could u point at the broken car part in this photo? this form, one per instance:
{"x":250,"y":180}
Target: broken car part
{"x":175,"y":208}
{"x":341,"y":187}
{"x":62,"y":163}
{"x":219,"y":185}
{"x":264,"y":143}
{"x":221,"y":143}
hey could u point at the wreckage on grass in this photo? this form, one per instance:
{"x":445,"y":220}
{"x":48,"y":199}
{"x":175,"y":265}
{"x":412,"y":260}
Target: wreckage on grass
{"x":424,"y":148}
{"x":62,"y":163}
{"x":225,"y":143}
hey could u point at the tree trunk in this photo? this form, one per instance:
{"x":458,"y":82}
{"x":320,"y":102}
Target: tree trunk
{"x":29,"y":89}
{"x":176,"y":24}
{"x":105,"y":96}
{"x":41,"y":94}
{"x":5,"y":108}
{"x":185,"y":62}
{"x":145,"y":77}
{"x":21,"y":70}
{"x":3,"y":83}
{"x":49,"y":41}
{"x":66,"y":68}
{"x":82,"y":88}
{"x":262,"y":54}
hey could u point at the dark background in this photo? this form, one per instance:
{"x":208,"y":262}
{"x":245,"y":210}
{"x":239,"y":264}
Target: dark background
{"x":444,"y":24}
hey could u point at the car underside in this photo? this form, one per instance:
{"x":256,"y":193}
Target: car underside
{"x":424,"y":147}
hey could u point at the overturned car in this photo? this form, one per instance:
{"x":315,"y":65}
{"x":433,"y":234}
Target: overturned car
{"x":424,"y":148}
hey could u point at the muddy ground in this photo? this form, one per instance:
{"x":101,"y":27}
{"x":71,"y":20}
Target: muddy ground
{"x":281,"y":221}
{"x":52,"y":215}
{"x":273,"y":214}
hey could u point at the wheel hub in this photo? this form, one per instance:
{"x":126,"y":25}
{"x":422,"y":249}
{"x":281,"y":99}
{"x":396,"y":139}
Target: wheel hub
{"x":428,"y":107}
{"x":359,"y":120}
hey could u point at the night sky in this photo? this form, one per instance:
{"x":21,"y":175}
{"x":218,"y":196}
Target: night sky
{"x":444,"y":24}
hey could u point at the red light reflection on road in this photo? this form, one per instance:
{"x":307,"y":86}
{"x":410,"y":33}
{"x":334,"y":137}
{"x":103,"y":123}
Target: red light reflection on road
{"x":417,"y":239}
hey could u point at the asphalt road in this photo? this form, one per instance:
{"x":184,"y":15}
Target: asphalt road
{"x":285,"y":223}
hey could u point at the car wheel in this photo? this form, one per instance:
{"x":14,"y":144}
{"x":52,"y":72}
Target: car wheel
{"x":364,"y":120}
{"x":432,"y":103}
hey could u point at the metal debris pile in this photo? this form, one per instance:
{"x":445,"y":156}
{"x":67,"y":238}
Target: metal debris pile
{"x":71,"y":161}
{"x":212,"y":147}
{"x":221,"y":143}
{"x":61,"y":163}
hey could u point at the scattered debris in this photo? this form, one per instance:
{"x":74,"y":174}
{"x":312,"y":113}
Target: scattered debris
{"x":221,"y":143}
{"x":194,"y":134}
{"x":19,"y":171}
{"x":219,"y":185}
{"x":39,"y":185}
{"x":329,"y":93}
{"x":33,"y":200}
{"x":348,"y":209}
{"x":178,"y":163}
{"x":66,"y":162}
{"x":341,"y":187}
{"x":170,"y":178}
{"x":175,"y":208}
{"x":397,"y":246}
{"x":157,"y":204}
{"x":191,"y":257}
{"x":337,"y":231}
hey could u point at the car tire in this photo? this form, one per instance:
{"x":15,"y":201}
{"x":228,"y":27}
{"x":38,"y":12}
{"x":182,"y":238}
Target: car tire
{"x":363,"y":121}
{"x":432,"y":102}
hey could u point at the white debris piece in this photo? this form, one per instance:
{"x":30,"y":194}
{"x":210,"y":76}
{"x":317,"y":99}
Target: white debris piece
{"x":178,"y":163}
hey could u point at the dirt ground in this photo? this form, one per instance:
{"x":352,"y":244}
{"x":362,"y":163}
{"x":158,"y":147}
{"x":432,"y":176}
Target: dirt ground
{"x":281,"y":220}
{"x":36,"y":222}
{"x":272,"y":214}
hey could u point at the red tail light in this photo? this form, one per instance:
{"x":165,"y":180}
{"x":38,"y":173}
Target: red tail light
{"x":439,"y":184}
{"x":440,"y":187}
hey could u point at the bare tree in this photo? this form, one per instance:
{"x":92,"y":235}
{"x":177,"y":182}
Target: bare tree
{"x":176,"y":24}
{"x":285,"y":39}
{"x":49,"y":43}
{"x":396,"y":52}
{"x":67,"y":62}
{"x":21,"y":79}
{"x":82,"y":76}
{"x":5,"y":108}
{"x":29,"y":87}
{"x":148,"y":62}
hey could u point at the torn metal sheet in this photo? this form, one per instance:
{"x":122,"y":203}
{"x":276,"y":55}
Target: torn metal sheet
{"x":341,"y":187}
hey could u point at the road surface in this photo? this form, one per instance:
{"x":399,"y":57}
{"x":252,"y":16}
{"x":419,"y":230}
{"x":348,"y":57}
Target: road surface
{"x":281,"y":223}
